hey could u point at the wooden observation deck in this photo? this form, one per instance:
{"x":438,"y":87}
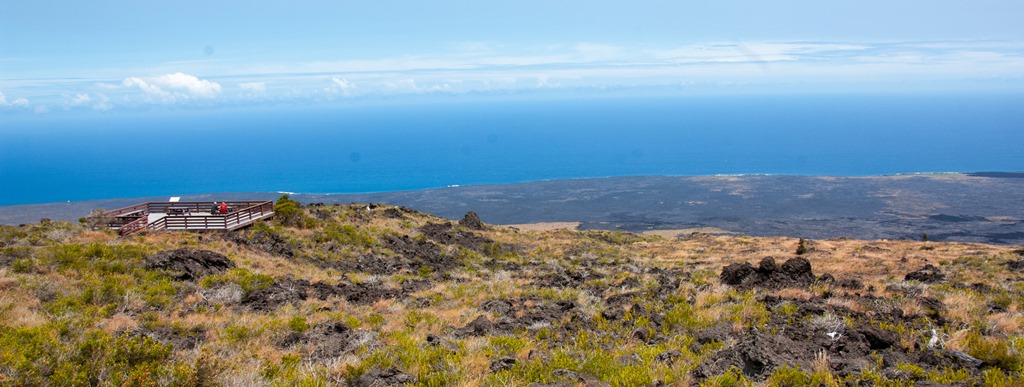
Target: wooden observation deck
{"x":187,"y":216}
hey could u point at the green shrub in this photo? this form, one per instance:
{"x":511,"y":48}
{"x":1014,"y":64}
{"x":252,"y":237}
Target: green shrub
{"x":425,"y":271}
{"x":298,"y":324}
{"x":158,"y":290}
{"x":414,"y":318}
{"x":948,"y":375}
{"x":345,"y":234}
{"x":912,"y":369}
{"x":787,"y":376}
{"x":801,"y":248}
{"x":731,"y":378}
{"x":682,"y":316}
{"x":249,"y":281}
{"x":37,"y":356}
{"x":374,"y":320}
{"x":24,"y":265}
{"x":237,"y":333}
{"x":504,"y":346}
{"x":996,"y":377}
{"x":704,"y":277}
{"x":787,"y":308}
{"x":994,"y":351}
{"x":290,"y":213}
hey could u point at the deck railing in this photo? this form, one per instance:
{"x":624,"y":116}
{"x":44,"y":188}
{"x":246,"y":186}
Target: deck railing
{"x":133,"y":226}
{"x":187,"y":216}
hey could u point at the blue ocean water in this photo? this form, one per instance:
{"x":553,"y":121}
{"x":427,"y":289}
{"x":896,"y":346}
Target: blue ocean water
{"x":390,"y":146}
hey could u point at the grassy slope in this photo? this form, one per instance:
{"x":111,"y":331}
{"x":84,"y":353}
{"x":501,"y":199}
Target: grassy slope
{"x":78,"y":307}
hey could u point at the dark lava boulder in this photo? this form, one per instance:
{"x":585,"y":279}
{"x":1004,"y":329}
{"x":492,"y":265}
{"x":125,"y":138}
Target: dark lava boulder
{"x":415,"y":253}
{"x":927,"y":274}
{"x":377,"y":377}
{"x":274,"y":296}
{"x":851,"y":283}
{"x":189,"y":264}
{"x":669,"y":356}
{"x":734,"y":274}
{"x":288,"y":291}
{"x":1017,"y":265}
{"x":879,"y":338}
{"x":499,"y":306}
{"x":438,"y":341}
{"x":330,"y":339}
{"x":798,"y":270}
{"x":502,"y":364}
{"x":263,"y":240}
{"x":756,"y":355}
{"x":481,"y":326}
{"x":446,"y":234}
{"x":472,"y":221}
{"x":795,"y":272}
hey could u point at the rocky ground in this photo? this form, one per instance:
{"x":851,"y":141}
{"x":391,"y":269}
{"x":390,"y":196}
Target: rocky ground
{"x":371,"y":295}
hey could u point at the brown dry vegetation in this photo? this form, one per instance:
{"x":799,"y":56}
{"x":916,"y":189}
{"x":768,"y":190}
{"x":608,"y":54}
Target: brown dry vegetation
{"x":379,"y":294}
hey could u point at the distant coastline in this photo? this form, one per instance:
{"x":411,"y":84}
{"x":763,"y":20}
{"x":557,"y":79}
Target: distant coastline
{"x":970,"y":207}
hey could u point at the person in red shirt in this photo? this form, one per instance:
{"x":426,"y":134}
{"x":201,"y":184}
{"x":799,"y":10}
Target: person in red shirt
{"x":223,"y":207}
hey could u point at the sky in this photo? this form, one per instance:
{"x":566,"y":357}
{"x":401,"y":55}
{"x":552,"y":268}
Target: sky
{"x":58,"y":57}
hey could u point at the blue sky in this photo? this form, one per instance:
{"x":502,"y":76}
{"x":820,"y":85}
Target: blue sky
{"x":109,"y":56}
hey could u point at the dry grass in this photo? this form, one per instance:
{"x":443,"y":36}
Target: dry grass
{"x":18,"y":308}
{"x":118,"y":322}
{"x":244,"y":342}
{"x":1005,"y":323}
{"x":964,"y":307}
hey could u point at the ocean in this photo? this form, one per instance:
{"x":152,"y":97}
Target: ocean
{"x":349,"y":147}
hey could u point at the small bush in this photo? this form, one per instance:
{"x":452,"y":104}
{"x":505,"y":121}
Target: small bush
{"x":290,"y":213}
{"x":914,"y":370}
{"x":993,"y":351}
{"x":505,"y":346}
{"x":996,"y":377}
{"x":298,"y":324}
{"x":249,"y":281}
{"x":48,"y":355}
{"x":787,"y":376}
{"x":801,"y":248}
{"x":731,"y":378}
{"x":236,"y":333}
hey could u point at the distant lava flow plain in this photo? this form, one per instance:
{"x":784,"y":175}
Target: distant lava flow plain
{"x":979,"y":207}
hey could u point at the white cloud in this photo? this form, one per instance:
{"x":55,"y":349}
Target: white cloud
{"x":102,"y":103}
{"x":253,"y":87}
{"x":174,"y":87}
{"x":17,"y":102}
{"x":482,"y":67}
{"x":80,"y":99}
{"x":340,"y":85}
{"x":192,"y":84}
{"x":147,"y":88}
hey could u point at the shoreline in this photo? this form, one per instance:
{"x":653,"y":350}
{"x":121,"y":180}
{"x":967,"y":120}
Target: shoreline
{"x":983,"y":207}
{"x":200,"y":196}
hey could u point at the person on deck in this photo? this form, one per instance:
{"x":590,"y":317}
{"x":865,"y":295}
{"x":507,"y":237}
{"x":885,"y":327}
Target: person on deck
{"x":223,"y":207}
{"x":214,"y":210}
